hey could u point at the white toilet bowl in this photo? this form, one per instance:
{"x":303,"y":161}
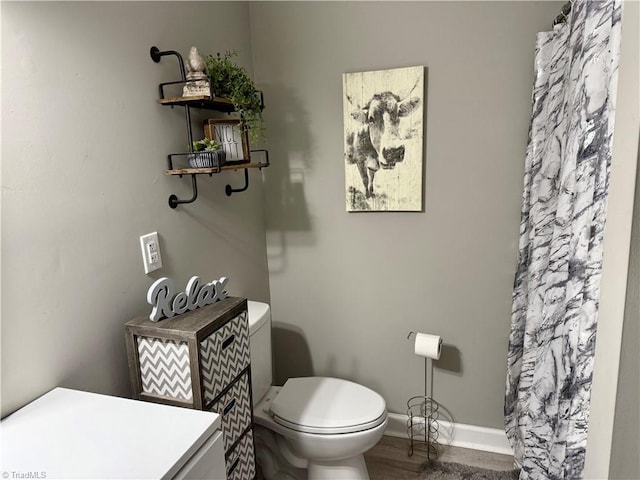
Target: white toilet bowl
{"x":324,"y":437}
{"x":312,"y":427}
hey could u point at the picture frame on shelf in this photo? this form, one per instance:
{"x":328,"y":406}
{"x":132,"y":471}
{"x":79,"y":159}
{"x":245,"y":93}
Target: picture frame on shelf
{"x":232,"y":137}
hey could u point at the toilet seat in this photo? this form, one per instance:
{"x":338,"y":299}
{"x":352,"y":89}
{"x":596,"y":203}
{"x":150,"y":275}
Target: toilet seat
{"x":323,"y":405}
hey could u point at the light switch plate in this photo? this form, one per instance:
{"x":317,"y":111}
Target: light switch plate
{"x":150,"y":247}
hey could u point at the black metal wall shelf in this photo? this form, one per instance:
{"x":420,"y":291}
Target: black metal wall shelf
{"x":205,"y":102}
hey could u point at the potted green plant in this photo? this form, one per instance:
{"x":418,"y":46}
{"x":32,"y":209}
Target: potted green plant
{"x":206,"y":154}
{"x":232,"y":81}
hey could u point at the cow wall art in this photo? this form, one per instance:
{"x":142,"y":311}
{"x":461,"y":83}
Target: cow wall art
{"x":383,"y":127}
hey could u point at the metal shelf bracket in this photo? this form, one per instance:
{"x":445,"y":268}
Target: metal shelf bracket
{"x":174,"y":201}
{"x":230,"y":190}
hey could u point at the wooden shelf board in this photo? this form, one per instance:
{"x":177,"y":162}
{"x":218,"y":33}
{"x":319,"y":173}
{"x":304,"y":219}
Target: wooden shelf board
{"x":201,"y":171}
{"x":200,"y":101}
{"x":192,"y":171}
{"x":241,"y":166}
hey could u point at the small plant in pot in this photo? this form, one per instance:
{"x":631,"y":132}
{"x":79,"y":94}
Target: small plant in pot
{"x":206,"y":154}
{"x":233,"y":82}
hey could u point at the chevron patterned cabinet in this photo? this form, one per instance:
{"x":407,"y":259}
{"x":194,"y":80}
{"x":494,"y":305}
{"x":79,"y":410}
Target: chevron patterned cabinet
{"x":200,"y":360}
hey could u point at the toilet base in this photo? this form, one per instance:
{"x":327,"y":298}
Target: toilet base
{"x":272,"y":462}
{"x":275,"y":465}
{"x":353,"y":468}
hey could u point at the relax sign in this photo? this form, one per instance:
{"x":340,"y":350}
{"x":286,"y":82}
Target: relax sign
{"x":166,"y":305}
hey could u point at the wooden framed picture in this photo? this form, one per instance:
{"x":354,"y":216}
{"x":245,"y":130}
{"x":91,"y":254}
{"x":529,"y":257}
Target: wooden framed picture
{"x":383,"y":132}
{"x":233,"y":138}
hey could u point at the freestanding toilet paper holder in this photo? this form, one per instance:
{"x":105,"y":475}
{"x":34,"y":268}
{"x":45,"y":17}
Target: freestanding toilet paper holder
{"x":423,"y":414}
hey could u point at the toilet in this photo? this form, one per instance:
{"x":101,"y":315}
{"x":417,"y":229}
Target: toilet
{"x":311,"y":427}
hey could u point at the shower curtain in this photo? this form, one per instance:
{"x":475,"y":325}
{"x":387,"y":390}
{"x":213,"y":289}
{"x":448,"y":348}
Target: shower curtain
{"x":557,"y":283}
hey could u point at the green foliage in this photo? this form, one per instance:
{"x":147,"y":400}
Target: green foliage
{"x":205,"y":145}
{"x":232,"y":81}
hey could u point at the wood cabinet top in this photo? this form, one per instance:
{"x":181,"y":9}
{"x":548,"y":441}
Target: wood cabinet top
{"x":198,"y":323}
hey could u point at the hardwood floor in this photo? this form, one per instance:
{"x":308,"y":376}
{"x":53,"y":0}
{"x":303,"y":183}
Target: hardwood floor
{"x":389,"y":460}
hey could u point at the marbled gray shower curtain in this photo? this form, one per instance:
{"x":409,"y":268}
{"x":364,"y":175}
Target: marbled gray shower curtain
{"x":557,"y":284}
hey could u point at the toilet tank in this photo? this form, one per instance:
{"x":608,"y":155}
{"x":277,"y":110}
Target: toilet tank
{"x":260,"y":347}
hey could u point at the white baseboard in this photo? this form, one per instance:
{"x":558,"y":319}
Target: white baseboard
{"x":456,"y":434}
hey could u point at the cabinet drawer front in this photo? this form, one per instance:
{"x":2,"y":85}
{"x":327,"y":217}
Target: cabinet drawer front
{"x":223,"y":355}
{"x":241,"y":463}
{"x":235,"y":409}
{"x":164,"y":367}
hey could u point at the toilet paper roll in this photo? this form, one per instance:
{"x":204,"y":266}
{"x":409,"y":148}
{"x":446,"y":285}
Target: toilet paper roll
{"x":428,"y":345}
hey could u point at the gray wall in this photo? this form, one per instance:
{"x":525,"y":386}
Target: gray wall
{"x":347,"y":288}
{"x":84,"y":148}
{"x":83,"y":151}
{"x":625,"y":463}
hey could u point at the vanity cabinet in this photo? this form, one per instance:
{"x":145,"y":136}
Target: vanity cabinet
{"x":200,"y":360}
{"x":68,"y":434}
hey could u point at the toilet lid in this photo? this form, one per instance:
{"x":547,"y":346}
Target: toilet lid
{"x":327,"y":405}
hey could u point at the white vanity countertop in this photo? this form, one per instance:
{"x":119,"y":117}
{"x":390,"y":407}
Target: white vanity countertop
{"x":72,"y":434}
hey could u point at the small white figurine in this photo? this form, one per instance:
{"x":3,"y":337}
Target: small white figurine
{"x":195,"y":65}
{"x":198,"y":83}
